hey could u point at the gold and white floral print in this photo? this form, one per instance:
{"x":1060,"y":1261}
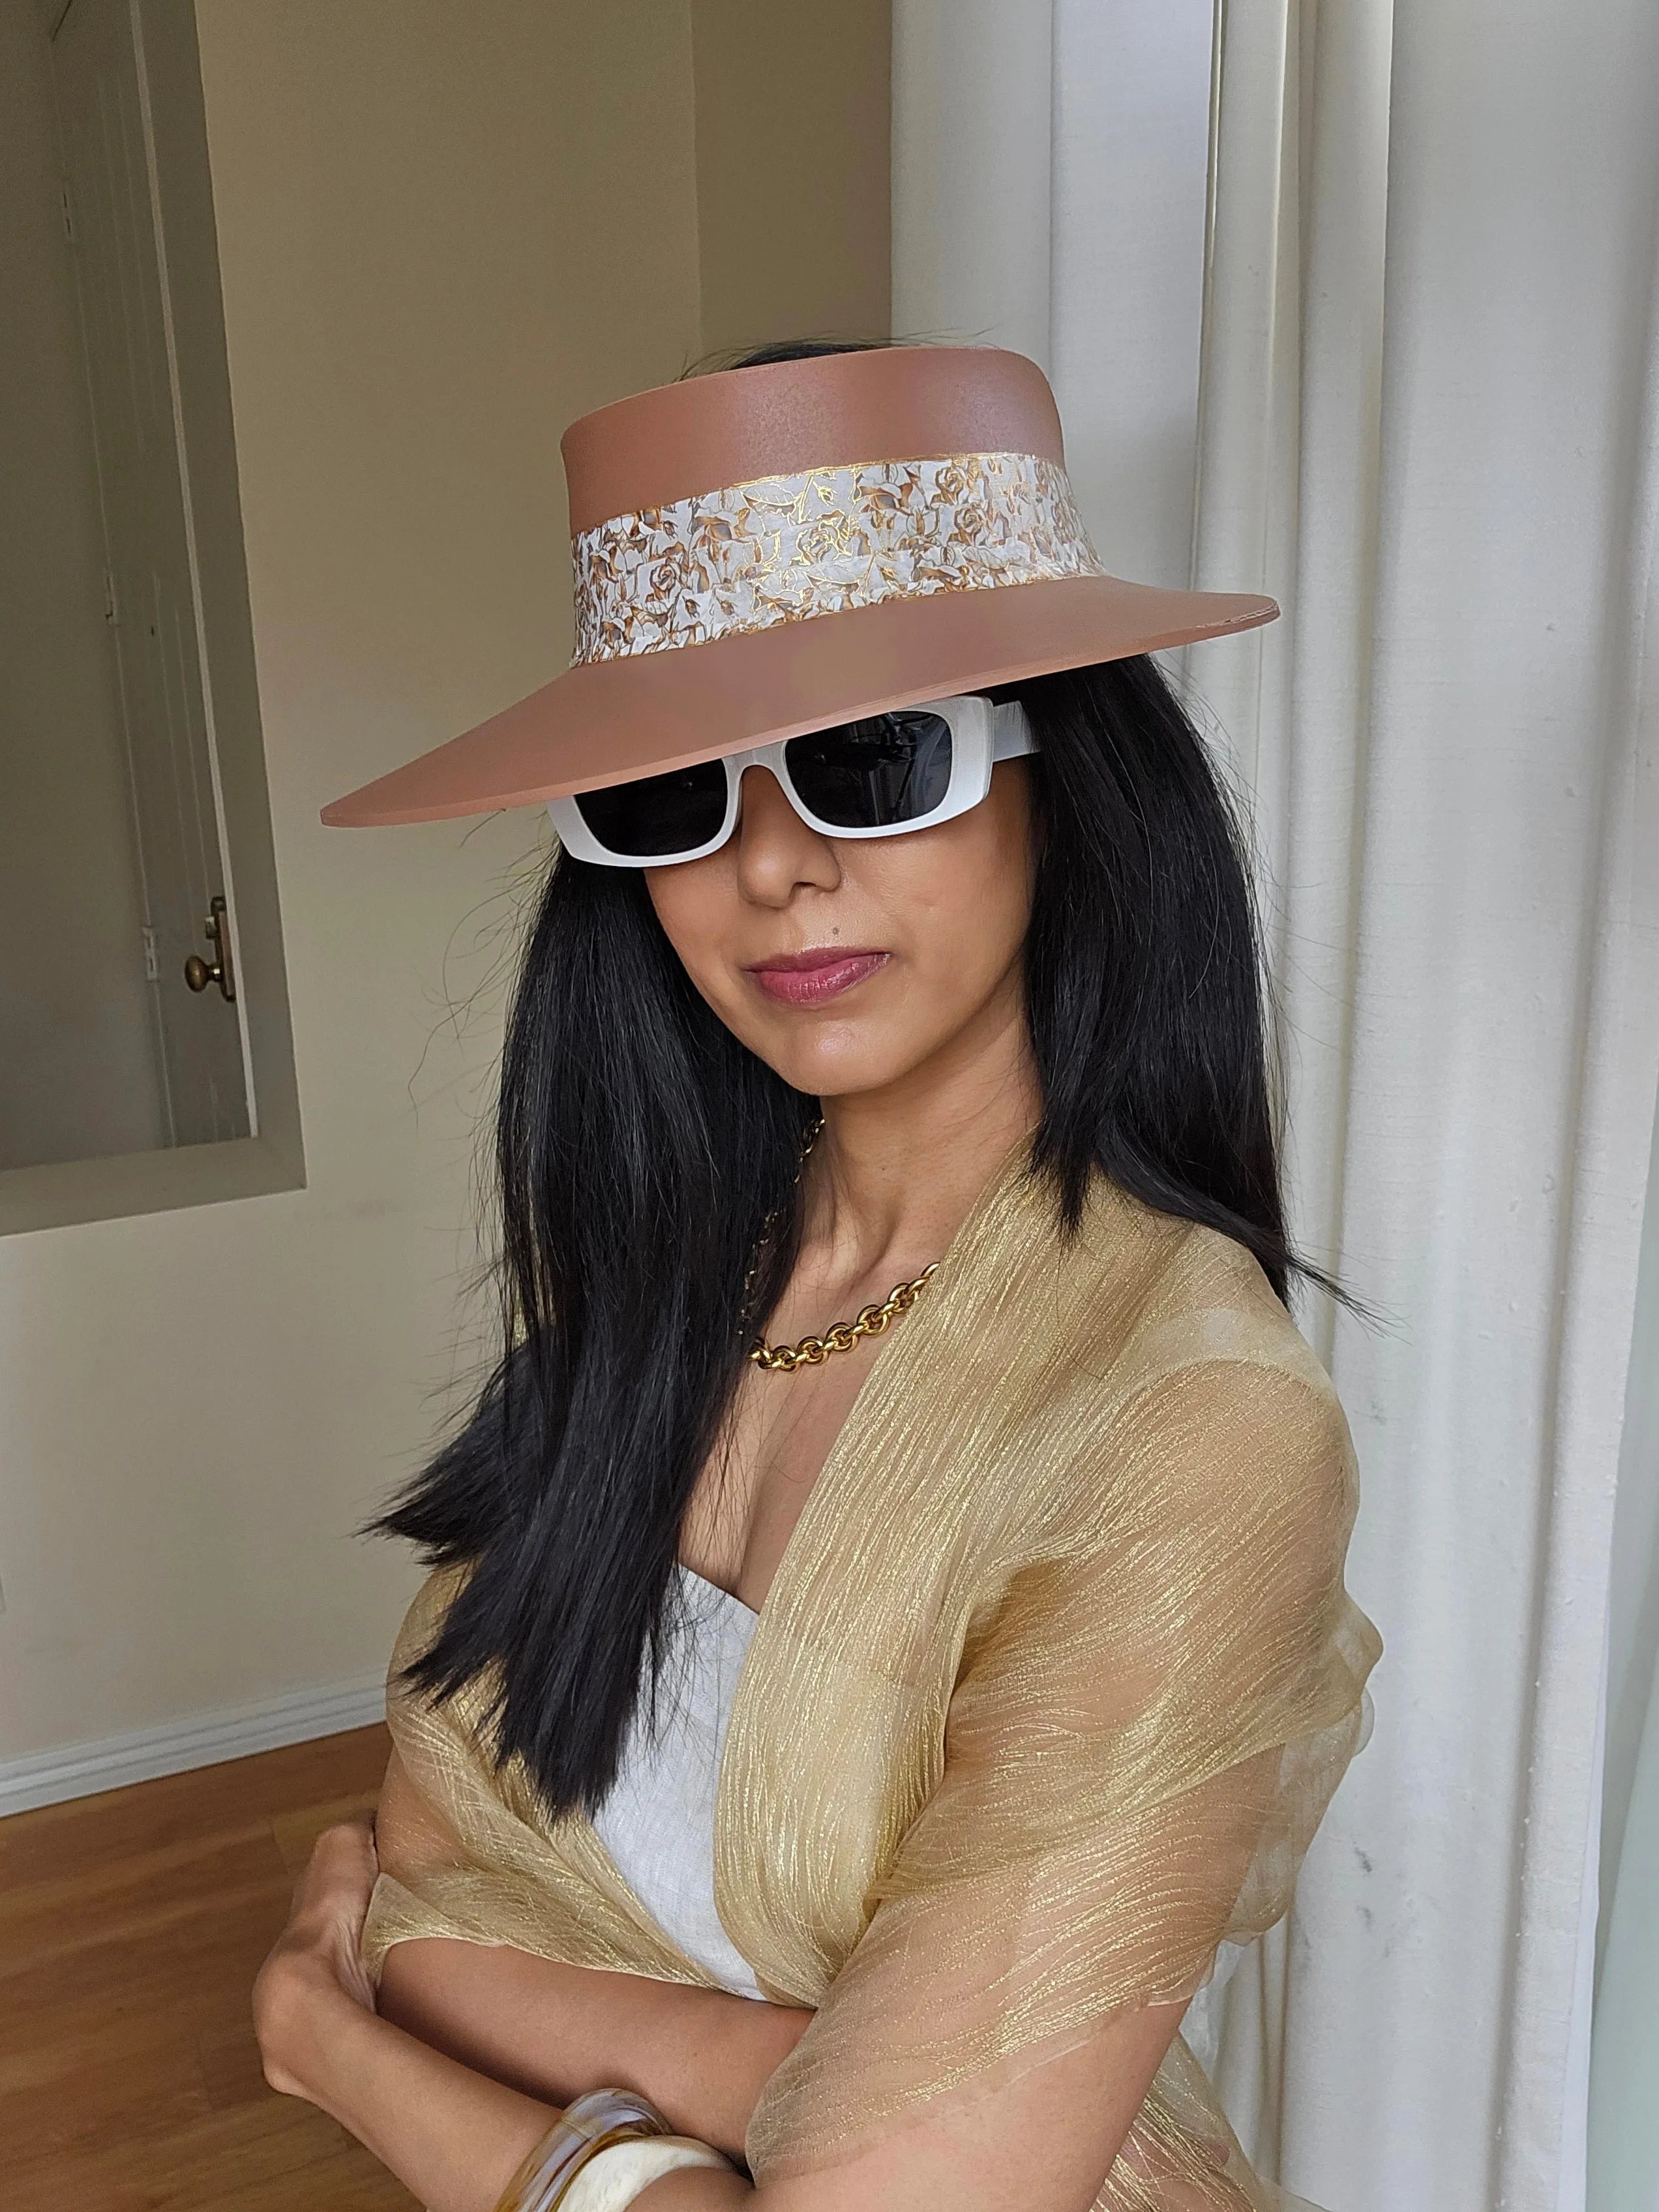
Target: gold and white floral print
{"x":784,"y":549}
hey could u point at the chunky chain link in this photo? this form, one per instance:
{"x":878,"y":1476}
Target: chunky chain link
{"x":871,"y":1321}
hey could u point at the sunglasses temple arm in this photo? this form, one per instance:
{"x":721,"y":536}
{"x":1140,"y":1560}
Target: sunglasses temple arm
{"x":1012,"y":733}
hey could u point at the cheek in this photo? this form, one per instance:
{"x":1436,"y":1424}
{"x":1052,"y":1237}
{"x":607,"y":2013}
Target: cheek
{"x":966,"y":891}
{"x":964,"y":937}
{"x":694,"y":903}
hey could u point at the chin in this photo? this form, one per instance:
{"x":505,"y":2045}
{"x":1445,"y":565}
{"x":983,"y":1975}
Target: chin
{"x":839,"y":1069}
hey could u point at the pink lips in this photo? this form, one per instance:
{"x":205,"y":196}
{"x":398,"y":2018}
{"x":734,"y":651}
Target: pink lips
{"x":809,"y":978}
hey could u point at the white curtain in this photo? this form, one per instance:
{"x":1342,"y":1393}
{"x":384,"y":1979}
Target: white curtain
{"x":1419,"y":408}
{"x":1624,"y":2141}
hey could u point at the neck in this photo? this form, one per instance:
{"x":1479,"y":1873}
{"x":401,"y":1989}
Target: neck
{"x":897,"y":1170}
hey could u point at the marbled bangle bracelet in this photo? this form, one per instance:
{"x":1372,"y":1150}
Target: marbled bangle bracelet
{"x":617,"y":2171}
{"x":620,"y":2140}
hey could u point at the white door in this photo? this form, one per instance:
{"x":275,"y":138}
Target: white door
{"x":79,"y":1052}
{"x":116,"y":221}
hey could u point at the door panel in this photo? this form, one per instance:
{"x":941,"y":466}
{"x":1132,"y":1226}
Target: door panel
{"x":119,"y":249}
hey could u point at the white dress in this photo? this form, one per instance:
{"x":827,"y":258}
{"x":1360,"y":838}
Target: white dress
{"x":658,"y":1822}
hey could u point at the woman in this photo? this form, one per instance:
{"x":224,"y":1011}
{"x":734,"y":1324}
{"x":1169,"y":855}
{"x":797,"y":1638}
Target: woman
{"x":842,"y":1749}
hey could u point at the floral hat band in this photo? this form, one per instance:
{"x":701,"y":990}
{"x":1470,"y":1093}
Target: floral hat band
{"x":738,"y":580}
{"x":821,"y":542}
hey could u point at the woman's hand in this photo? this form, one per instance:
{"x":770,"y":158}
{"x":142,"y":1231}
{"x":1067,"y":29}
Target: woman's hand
{"x":316,"y":1961}
{"x":453,"y":2137}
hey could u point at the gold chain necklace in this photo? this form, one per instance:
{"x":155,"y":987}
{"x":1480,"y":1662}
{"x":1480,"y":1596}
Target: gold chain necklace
{"x":870,"y":1320}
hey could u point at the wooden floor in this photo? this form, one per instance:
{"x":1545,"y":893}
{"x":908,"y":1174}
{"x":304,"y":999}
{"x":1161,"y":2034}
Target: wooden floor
{"x":131,"y":1926}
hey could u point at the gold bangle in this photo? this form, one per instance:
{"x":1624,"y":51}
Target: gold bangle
{"x":594,"y":2121}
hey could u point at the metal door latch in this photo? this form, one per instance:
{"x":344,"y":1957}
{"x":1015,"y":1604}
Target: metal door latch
{"x":198,"y":973}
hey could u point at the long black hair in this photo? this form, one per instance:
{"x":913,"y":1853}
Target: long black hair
{"x":639,"y":1148}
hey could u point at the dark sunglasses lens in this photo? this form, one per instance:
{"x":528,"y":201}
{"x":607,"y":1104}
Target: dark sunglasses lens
{"x":659,"y":815}
{"x":877,"y":774}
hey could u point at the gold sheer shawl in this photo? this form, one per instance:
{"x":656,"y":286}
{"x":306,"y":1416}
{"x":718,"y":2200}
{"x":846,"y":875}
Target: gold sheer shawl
{"x":1049,"y":1695}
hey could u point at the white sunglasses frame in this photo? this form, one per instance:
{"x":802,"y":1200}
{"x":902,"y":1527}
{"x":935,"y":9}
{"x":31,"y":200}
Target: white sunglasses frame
{"x":981,"y":733}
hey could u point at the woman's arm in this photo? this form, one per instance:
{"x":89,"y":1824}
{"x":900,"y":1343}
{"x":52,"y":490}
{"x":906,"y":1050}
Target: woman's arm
{"x":702,"y":2057}
{"x":455,"y":2138}
{"x":1043,"y":2144}
{"x":553,"y":2031}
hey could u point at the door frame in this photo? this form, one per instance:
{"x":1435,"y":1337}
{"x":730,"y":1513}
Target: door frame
{"x":273,"y":1158}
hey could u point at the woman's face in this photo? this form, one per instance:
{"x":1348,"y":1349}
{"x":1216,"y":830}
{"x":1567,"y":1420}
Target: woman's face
{"x":846,"y":963}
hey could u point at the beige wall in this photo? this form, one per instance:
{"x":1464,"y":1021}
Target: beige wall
{"x":78,"y":1075}
{"x":439,"y":241}
{"x":793,"y":143}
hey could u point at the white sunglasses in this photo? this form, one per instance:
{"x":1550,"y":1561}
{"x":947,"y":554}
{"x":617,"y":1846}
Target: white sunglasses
{"x":910,"y":769}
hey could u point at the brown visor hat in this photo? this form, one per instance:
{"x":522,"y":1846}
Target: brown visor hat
{"x":766,"y":551}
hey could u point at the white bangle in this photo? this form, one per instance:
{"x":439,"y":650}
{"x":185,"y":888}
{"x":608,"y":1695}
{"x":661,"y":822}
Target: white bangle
{"x":615,"y":2176}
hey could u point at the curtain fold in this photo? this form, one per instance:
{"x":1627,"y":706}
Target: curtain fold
{"x":1424,"y":423}
{"x":1623,"y":2142}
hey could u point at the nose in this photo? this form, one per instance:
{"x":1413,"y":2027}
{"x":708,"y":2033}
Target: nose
{"x":777,"y":852}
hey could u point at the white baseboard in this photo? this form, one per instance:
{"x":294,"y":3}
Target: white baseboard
{"x":79,"y":1770}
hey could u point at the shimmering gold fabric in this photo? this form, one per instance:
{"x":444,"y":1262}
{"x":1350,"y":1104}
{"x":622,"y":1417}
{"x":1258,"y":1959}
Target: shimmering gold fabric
{"x":1050,"y":1691}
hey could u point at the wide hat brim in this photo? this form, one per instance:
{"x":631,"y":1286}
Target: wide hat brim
{"x":610,"y":721}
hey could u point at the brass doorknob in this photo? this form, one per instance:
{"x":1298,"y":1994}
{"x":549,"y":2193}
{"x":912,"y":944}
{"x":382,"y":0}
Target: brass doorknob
{"x":199,"y":973}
